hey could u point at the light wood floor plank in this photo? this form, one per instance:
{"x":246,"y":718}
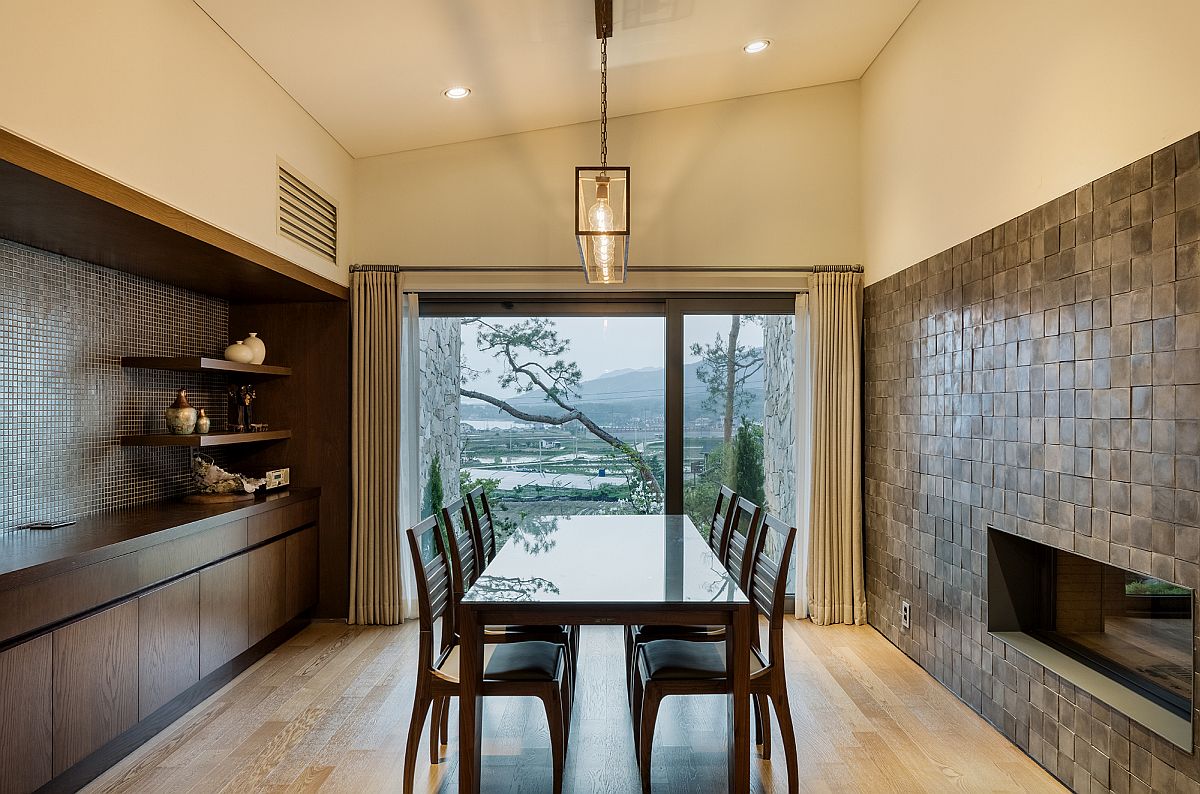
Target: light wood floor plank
{"x":328,"y":711}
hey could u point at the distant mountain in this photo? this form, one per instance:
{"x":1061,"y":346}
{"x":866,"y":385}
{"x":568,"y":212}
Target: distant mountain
{"x":631,"y":391}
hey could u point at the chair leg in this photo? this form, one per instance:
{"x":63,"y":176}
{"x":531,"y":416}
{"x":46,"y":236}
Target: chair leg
{"x":446,"y":723}
{"x":567,"y":694}
{"x":435,"y":724}
{"x":630,"y":671}
{"x":650,"y":702}
{"x":554,"y":721}
{"x":756,"y":704}
{"x":635,"y":708}
{"x":421,"y":705}
{"x":763,"y":704}
{"x":786,"y":730}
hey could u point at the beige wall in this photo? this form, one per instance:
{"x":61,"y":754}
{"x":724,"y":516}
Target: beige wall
{"x":153,"y":94}
{"x":761,"y":181}
{"x":979,"y":110}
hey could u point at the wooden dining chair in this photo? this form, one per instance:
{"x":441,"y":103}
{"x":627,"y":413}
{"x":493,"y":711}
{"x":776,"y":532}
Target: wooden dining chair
{"x":740,"y":516}
{"x":481,"y":520}
{"x":722,"y":519}
{"x":533,"y":668}
{"x":684,"y":667}
{"x":466,"y":558}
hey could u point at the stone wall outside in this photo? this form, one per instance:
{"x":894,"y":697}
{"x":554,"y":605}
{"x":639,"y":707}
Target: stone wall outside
{"x":441,"y":347}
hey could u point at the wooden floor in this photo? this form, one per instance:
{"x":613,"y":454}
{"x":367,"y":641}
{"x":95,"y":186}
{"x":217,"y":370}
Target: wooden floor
{"x":329,"y":711}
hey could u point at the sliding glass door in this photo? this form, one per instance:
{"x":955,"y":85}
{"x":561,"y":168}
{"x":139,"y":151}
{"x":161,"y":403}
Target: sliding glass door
{"x":641,"y":404}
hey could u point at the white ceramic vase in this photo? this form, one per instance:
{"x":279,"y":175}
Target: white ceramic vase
{"x":256,"y":345}
{"x":239,"y":352}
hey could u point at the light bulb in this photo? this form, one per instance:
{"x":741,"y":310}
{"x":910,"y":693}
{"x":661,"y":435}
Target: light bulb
{"x":600,"y":219}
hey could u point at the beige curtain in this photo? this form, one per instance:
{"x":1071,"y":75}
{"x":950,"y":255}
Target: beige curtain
{"x":836,"y":592}
{"x":384,"y":447}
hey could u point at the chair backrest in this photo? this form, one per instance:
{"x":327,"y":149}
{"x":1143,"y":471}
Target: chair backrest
{"x":770,"y":562}
{"x":464,"y":554}
{"x":481,"y":518}
{"x":743,"y":526}
{"x":718,"y":527}
{"x":435,"y":596}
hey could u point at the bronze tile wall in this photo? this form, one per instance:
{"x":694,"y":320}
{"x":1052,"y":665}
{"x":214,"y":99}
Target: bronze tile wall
{"x":64,"y":398}
{"x":1042,"y":378}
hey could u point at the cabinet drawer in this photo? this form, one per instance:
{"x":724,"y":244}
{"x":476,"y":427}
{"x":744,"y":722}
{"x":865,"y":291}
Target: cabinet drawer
{"x":168,"y":643}
{"x":302,"y":571}
{"x":95,"y":682}
{"x":165,"y":560}
{"x":26,"y":729}
{"x":272,"y":523}
{"x":68,"y":594}
{"x":224,"y":612}
{"x":268,"y":601}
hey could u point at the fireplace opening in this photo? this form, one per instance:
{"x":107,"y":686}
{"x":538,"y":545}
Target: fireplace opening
{"x":1125,"y":634}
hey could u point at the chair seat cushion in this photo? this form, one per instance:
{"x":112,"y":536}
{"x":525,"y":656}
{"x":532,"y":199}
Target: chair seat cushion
{"x":686,"y":660}
{"x":511,"y":661}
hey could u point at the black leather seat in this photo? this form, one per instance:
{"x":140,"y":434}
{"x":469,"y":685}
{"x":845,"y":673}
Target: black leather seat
{"x":683,"y":659}
{"x":533,"y":660}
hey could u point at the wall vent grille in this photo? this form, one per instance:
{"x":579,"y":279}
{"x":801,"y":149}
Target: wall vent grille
{"x":306,"y":216}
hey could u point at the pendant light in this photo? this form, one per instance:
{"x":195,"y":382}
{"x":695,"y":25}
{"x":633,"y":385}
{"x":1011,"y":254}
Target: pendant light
{"x":602,"y":192}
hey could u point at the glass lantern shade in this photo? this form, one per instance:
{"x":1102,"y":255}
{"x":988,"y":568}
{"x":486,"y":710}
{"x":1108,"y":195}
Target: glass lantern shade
{"x":602,"y":222}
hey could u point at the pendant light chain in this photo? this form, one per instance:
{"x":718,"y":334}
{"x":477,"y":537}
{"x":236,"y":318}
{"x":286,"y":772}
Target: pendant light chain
{"x":604,"y":102}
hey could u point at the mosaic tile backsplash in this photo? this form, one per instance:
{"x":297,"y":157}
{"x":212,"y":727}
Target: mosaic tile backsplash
{"x":65,"y":400}
{"x":1042,"y":378}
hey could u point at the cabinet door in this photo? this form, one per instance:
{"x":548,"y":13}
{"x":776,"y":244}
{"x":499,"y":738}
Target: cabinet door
{"x":26,"y":730}
{"x":95,"y":682}
{"x":268,"y":603}
{"x":301,"y":571}
{"x":168,"y":643}
{"x":224,"y":612}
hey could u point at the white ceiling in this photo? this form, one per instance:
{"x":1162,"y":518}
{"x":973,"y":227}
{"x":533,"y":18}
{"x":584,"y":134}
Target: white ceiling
{"x":372,"y":72}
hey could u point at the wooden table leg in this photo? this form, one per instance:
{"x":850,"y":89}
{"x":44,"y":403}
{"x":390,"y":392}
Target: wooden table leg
{"x":470,"y":701}
{"x":738,"y":664}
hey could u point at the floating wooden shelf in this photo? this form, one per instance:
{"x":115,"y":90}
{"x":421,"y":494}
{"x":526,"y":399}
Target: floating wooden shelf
{"x":202,"y":364}
{"x":196,"y":440}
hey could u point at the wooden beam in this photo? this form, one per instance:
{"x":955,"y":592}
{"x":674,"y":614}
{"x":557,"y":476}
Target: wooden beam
{"x":58,"y":205}
{"x":604,"y":19}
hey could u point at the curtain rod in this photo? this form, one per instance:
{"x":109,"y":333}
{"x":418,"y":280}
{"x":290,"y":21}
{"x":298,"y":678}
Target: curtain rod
{"x":572,"y":269}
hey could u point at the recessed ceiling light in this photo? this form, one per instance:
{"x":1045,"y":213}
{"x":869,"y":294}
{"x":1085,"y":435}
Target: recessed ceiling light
{"x":457,"y":92}
{"x":758,"y":45}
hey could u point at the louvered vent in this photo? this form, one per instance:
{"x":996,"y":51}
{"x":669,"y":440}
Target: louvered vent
{"x":306,"y":216}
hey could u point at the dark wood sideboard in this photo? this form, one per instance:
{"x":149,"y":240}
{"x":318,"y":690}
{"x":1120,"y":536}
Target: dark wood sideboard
{"x":112,"y":628}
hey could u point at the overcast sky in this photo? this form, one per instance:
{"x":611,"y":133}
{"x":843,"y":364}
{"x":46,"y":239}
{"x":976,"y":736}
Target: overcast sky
{"x":604,"y":344}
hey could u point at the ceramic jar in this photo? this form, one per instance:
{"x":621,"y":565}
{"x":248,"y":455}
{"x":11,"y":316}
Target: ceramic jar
{"x":240,"y":353}
{"x":203,"y":423}
{"x":256,"y":345}
{"x":181,"y":416}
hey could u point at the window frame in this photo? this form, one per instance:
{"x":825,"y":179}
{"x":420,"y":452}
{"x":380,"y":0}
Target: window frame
{"x":672,"y":306}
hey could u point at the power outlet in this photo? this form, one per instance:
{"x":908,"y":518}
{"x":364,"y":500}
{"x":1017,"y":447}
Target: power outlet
{"x":905,"y":614}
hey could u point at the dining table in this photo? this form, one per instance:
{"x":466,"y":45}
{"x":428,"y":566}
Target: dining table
{"x":605,"y":570}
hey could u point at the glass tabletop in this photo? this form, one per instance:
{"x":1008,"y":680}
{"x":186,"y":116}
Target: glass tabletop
{"x":606,"y":559}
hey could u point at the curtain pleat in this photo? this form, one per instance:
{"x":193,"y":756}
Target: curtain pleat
{"x":835,"y":582}
{"x":381,"y":497}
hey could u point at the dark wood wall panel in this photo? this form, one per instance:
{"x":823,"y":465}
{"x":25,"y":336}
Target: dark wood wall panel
{"x":168,"y":643}
{"x":26,"y":727}
{"x":268,"y":601}
{"x":302,"y":571}
{"x":314,"y":340}
{"x":95,"y":682}
{"x":224,"y":612}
